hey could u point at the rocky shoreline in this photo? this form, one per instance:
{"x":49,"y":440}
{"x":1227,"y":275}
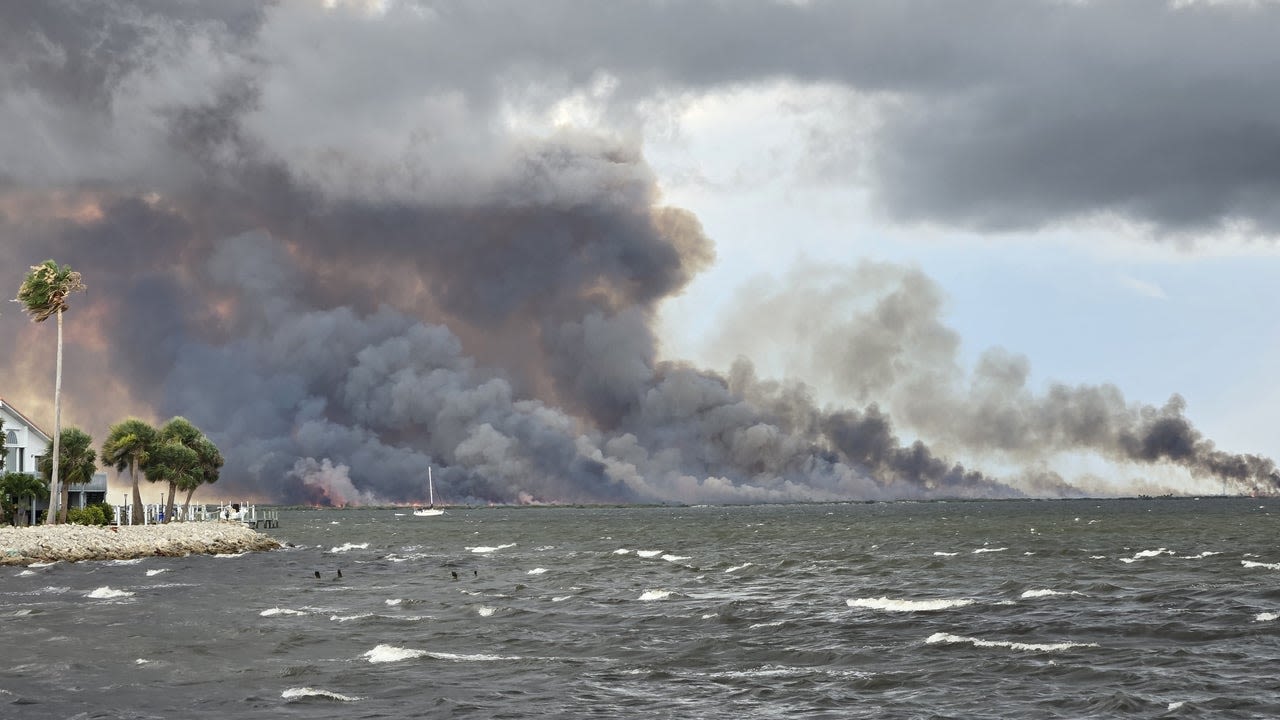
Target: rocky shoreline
{"x":43,"y":543}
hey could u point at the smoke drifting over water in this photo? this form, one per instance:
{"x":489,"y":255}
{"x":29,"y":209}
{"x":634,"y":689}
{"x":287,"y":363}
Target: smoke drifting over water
{"x":344,"y":285}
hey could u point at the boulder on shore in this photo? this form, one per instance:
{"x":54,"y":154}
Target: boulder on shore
{"x":49,"y":543}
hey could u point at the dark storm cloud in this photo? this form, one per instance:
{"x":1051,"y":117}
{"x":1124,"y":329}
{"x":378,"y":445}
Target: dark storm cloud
{"x":1000,"y":113}
{"x":335,"y":239}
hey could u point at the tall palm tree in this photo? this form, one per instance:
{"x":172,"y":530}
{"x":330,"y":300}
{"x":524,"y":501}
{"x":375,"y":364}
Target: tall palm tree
{"x":78,"y":460}
{"x":4,"y":448}
{"x":22,"y":486}
{"x":43,"y":295}
{"x":128,"y":445}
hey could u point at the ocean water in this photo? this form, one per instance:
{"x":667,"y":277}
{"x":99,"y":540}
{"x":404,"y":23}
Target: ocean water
{"x":1070,"y":609}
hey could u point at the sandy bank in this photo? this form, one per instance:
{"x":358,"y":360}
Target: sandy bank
{"x":23,"y":546}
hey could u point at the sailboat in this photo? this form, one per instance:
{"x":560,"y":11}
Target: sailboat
{"x":430,"y":510}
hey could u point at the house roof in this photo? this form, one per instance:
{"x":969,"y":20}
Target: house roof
{"x":25,"y":420}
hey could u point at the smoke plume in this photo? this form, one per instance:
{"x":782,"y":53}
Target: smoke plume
{"x":321,"y":232}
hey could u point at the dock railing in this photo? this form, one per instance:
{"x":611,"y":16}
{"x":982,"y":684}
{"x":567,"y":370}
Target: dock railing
{"x":153,"y":514}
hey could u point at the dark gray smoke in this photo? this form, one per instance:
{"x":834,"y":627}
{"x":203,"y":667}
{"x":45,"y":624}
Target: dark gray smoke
{"x":352,"y":264}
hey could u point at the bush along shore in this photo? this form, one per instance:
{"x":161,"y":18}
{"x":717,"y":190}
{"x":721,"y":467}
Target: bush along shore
{"x":46,"y":543}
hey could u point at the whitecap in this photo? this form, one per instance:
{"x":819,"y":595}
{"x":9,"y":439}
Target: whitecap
{"x":300,"y":693}
{"x":1146,"y":554}
{"x":486,"y":611}
{"x":231,"y":555}
{"x":655,"y":595}
{"x":349,"y":618}
{"x":1041,"y":593}
{"x":455,"y":657}
{"x":989,"y":550}
{"x":621,"y":551}
{"x":675,"y":558}
{"x":948,"y":638}
{"x":141,"y":661}
{"x":1266,"y":617}
{"x":536,"y":571}
{"x":394,"y":601}
{"x":44,"y":564}
{"x":884,"y":603}
{"x":648,"y":553}
{"x":153,"y":573}
{"x":26,"y":572}
{"x":560,"y":598}
{"x":1252,"y":564}
{"x":391,"y":653}
{"x":105,"y":592}
{"x":347,"y":547}
{"x":131,"y":561}
{"x":939,"y":553}
{"x":1175,"y":705}
{"x":736,"y":568}
{"x":489,"y":548}
{"x":273,"y":612}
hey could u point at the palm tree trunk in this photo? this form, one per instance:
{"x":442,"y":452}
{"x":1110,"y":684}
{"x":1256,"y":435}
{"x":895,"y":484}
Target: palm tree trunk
{"x":137,"y":494}
{"x":55,"y":495}
{"x":186,"y":504}
{"x":168,"y":506}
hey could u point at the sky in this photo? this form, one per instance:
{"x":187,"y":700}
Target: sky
{"x":660,"y":252}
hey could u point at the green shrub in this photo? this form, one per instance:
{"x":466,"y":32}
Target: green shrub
{"x":108,"y":512}
{"x":88,"y":515}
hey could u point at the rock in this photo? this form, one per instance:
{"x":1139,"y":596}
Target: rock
{"x":44,"y":543}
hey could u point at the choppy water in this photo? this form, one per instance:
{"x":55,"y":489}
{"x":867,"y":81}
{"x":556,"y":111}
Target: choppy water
{"x":1140,"y":608}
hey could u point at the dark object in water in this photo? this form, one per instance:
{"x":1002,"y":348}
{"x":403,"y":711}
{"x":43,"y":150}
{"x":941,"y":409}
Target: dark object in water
{"x":317,"y":574}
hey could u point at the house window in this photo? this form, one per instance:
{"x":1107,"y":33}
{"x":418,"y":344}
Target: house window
{"x":13,"y":437}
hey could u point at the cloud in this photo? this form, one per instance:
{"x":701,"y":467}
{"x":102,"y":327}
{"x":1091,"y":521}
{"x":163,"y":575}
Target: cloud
{"x":1143,"y":287}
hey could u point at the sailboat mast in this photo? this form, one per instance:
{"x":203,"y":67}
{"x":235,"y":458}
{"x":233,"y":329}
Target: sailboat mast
{"x":431,"y":489}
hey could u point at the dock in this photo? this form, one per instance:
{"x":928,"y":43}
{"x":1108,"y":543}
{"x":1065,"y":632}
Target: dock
{"x":153,"y":514}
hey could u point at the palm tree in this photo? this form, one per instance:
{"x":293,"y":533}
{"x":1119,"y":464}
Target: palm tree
{"x":22,"y":486}
{"x":176,"y":464}
{"x":181,"y":431}
{"x":128,"y":445}
{"x":43,"y":295}
{"x":210,"y":465}
{"x":78,"y":460}
{"x":4,"y":448}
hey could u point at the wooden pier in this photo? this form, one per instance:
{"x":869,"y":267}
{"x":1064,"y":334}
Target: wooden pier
{"x":263,"y":520}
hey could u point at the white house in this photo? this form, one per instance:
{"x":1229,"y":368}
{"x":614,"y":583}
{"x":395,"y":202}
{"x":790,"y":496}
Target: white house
{"x":27,"y":444}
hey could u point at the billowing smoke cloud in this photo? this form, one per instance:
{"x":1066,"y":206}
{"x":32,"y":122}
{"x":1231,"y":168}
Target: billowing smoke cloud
{"x":320,"y":232}
{"x":880,"y":338}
